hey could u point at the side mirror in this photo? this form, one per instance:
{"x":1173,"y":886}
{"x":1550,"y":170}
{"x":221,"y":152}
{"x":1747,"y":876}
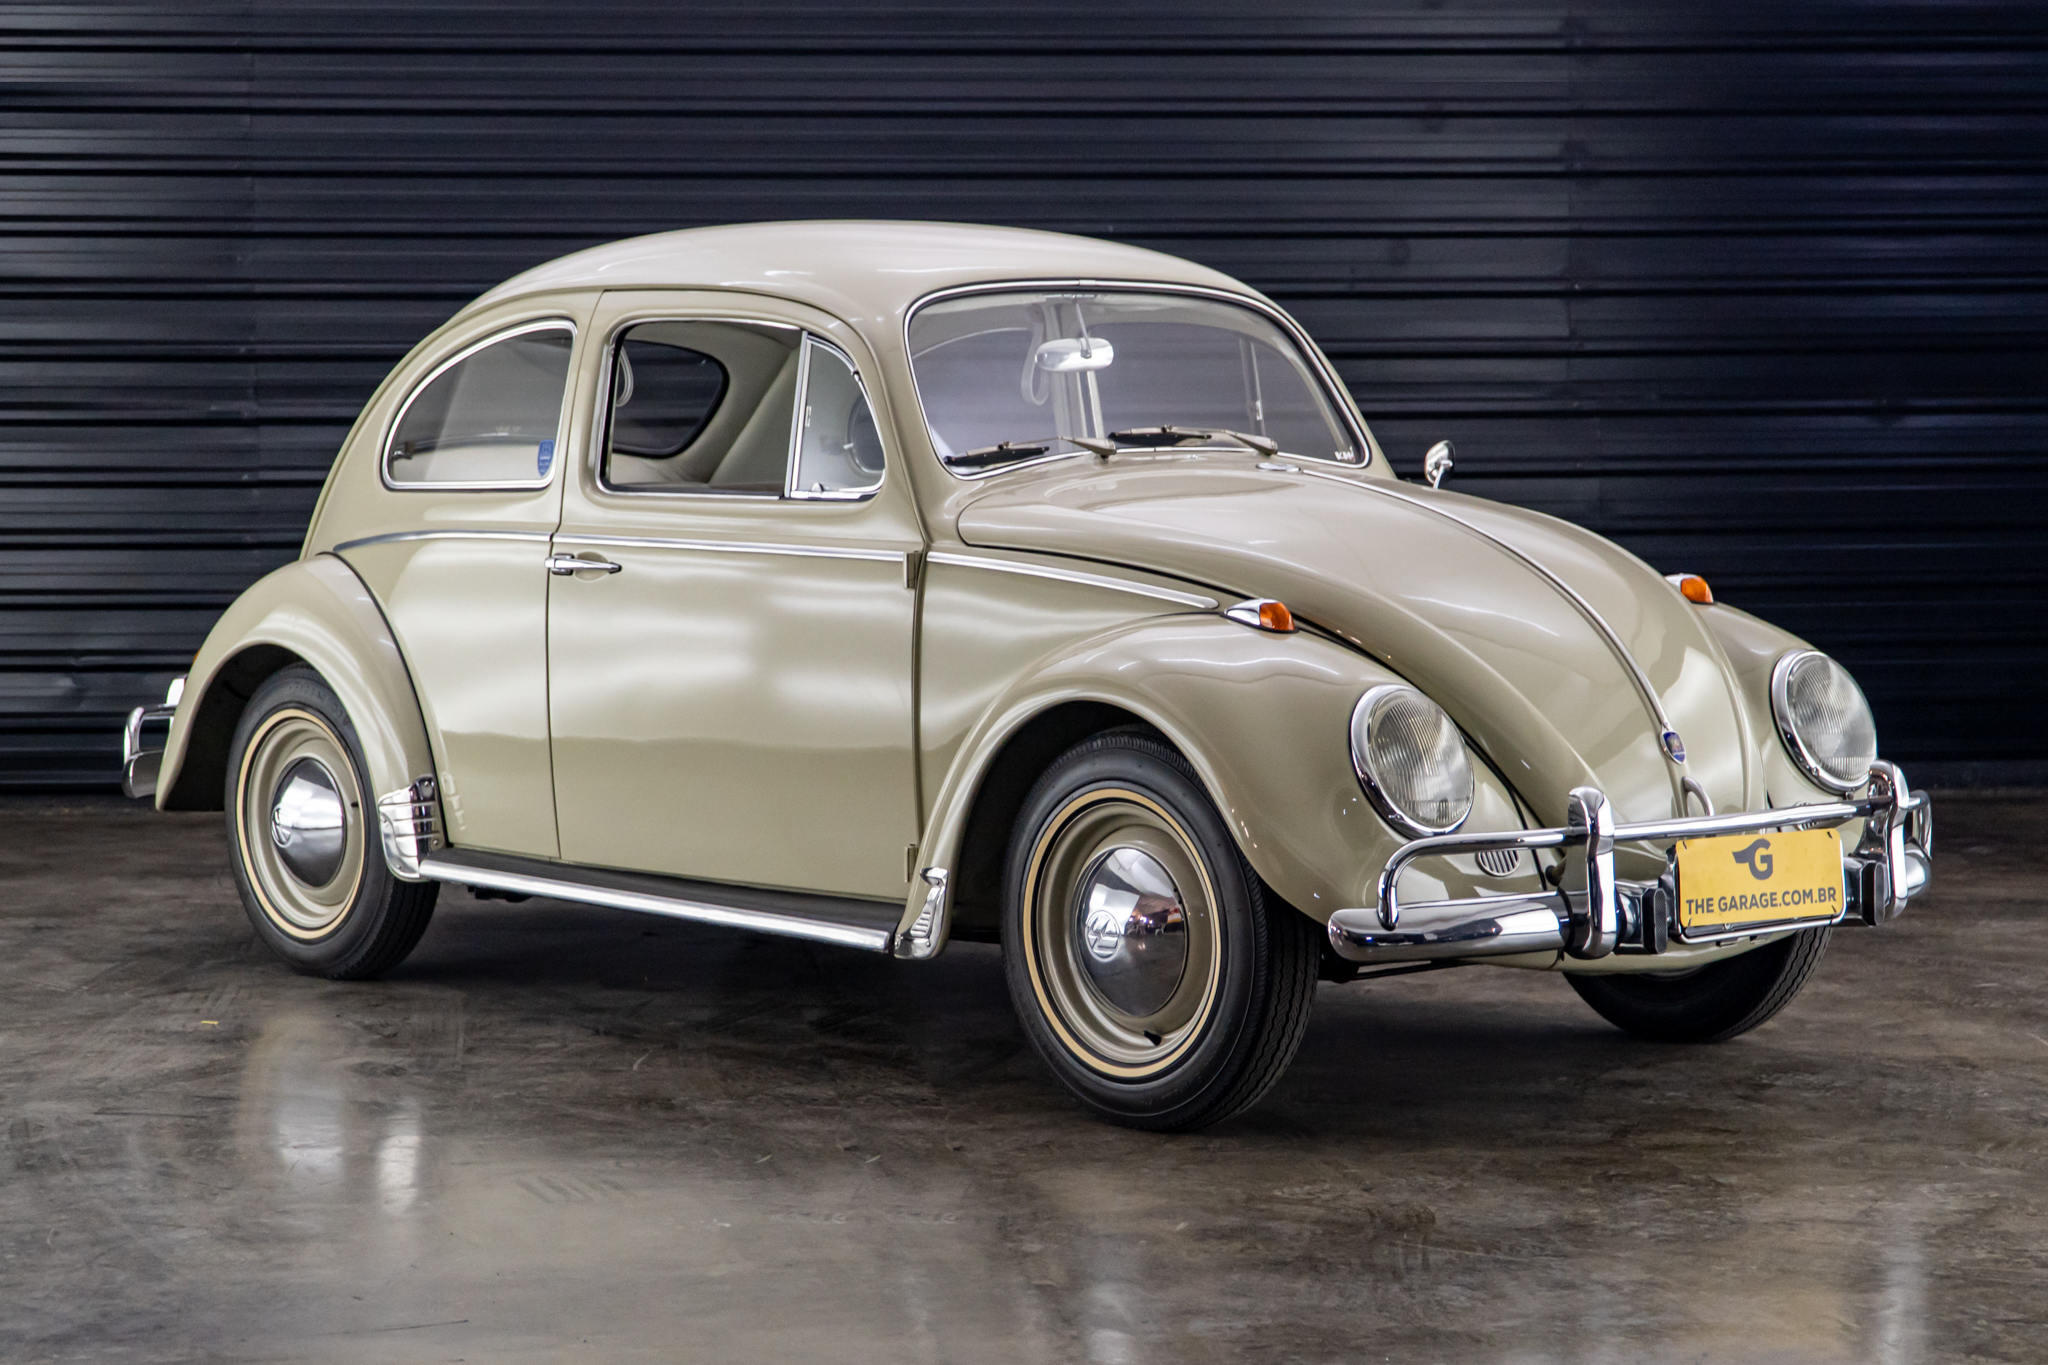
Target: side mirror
{"x":1437,"y":463}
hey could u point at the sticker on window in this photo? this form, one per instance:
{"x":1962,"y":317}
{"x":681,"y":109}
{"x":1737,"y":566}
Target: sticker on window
{"x":545,"y":458}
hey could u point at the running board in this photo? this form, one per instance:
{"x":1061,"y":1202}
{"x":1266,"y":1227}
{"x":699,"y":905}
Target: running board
{"x":822,"y":919}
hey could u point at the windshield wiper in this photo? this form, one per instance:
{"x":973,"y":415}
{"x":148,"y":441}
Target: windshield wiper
{"x":981,"y":457}
{"x":1156,"y":438}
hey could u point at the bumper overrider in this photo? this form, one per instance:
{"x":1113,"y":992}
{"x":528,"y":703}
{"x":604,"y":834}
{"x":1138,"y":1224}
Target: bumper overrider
{"x":1595,"y":914}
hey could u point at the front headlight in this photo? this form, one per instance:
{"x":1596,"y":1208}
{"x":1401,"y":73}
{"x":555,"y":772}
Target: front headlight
{"x":1823,"y":719}
{"x":1411,"y":760}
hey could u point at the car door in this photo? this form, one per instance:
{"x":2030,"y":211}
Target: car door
{"x":470,"y":489}
{"x":730,"y":681}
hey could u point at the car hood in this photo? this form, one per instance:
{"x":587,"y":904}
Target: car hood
{"x":1441,"y":589}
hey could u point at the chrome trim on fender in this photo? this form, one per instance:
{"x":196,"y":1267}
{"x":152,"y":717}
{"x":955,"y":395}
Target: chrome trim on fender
{"x":409,"y":827}
{"x":928,"y":932}
{"x":1185,"y":599}
{"x":391,"y":537}
{"x":1892,"y":863}
{"x":734,"y":547}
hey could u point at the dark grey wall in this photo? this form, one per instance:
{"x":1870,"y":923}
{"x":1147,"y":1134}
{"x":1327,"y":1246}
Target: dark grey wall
{"x":1760,"y":295}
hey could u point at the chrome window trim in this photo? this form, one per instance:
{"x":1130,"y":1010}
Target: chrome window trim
{"x":1185,"y":599}
{"x":601,"y":433}
{"x":796,"y":439}
{"x":735,"y":547}
{"x":1338,"y":396}
{"x":552,"y":323}
{"x":390,"y":536}
{"x":1389,"y":810}
{"x":1781,"y":720}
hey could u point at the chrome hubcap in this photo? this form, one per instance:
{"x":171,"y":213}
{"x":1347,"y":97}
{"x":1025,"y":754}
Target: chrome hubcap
{"x":307,"y":822}
{"x":1120,"y":933}
{"x":300,"y":824}
{"x":1132,"y":930}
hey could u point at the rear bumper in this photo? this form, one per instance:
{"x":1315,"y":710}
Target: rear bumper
{"x":1595,"y":914}
{"x":142,"y":742}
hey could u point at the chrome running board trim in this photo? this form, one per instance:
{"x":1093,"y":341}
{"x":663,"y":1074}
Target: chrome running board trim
{"x":850,"y":923}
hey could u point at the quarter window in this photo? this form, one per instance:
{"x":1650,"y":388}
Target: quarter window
{"x":839,"y":451}
{"x":490,"y":419}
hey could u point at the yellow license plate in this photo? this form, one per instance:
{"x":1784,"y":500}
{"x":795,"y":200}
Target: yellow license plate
{"x":1736,"y":880}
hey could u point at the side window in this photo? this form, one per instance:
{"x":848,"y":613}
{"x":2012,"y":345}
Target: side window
{"x":490,"y":419}
{"x":839,"y":451}
{"x":702,"y":407}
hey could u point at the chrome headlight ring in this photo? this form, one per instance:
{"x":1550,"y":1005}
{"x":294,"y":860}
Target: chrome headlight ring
{"x":1792,"y":695}
{"x":1392,"y":715}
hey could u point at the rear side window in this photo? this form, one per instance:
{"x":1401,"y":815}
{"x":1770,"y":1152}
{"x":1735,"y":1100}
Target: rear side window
{"x":490,"y":418}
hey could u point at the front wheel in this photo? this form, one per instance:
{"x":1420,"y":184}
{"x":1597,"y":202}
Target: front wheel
{"x":306,"y":848}
{"x":1709,"y":1004}
{"x":1152,"y":970}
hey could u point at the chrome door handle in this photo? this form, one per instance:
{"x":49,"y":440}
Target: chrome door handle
{"x":564,"y":565}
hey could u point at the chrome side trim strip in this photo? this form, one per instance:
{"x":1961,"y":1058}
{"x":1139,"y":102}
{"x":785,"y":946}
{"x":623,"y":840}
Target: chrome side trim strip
{"x":874,"y":940}
{"x":389,"y":537}
{"x":1185,"y":599}
{"x":736,"y":547}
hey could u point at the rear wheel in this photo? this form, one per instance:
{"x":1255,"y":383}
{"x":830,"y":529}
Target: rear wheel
{"x":1153,"y":972}
{"x":1709,"y":1004}
{"x":302,"y":824}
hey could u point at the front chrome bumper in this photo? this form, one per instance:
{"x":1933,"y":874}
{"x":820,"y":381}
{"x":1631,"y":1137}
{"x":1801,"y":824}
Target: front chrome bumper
{"x":1599,"y":914}
{"x":140,"y":760}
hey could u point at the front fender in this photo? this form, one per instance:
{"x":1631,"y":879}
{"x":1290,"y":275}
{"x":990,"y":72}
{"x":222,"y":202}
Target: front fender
{"x":1264,"y":719}
{"x":314,"y":611}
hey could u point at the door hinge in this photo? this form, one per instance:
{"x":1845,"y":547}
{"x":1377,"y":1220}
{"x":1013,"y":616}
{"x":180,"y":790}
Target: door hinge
{"x":910,"y":863}
{"x":913,"y":568}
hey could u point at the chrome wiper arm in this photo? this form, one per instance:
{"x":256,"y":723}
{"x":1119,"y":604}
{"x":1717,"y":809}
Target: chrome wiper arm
{"x":981,"y":457}
{"x":1158,"y":437}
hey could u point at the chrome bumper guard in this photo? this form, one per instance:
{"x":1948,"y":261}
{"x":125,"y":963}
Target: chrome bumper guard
{"x":1600,"y":914}
{"x":140,"y":759}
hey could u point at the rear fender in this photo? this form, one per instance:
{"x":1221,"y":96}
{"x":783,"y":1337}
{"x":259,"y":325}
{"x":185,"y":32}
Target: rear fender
{"x":313,"y":611}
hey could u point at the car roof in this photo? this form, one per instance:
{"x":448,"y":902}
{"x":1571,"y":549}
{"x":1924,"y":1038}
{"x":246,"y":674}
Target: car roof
{"x":863,"y":271}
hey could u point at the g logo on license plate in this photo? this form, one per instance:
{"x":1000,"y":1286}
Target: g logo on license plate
{"x":1740,"y":881}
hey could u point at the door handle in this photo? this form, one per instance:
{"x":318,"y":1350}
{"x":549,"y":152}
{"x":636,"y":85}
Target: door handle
{"x":564,"y":565}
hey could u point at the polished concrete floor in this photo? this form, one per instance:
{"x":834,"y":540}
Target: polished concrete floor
{"x":560,"y":1133}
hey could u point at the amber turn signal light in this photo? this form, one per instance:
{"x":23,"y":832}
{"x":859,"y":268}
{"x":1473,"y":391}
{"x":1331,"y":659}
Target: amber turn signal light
{"x":1264,"y":613}
{"x":1692,"y":588}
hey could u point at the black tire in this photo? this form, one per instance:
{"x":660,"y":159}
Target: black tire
{"x":1105,"y":821}
{"x":1712,"y":1004}
{"x":321,"y":900}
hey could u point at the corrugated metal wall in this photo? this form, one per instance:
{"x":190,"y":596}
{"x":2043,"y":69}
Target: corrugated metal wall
{"x":1759,"y":295}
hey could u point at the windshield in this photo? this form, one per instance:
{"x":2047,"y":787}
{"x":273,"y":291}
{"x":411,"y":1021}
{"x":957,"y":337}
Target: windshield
{"x":1021,"y":374}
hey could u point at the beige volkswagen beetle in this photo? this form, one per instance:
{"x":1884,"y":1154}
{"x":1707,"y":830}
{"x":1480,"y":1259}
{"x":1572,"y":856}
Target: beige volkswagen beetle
{"x":886,"y":583}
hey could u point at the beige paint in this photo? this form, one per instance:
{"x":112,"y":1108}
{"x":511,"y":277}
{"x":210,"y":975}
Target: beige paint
{"x":743,"y":704}
{"x":469,"y":605}
{"x":320,"y":611}
{"x":736,"y":703}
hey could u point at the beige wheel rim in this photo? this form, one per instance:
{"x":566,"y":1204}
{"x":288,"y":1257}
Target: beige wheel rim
{"x":1121,"y":937}
{"x":300,"y":823}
